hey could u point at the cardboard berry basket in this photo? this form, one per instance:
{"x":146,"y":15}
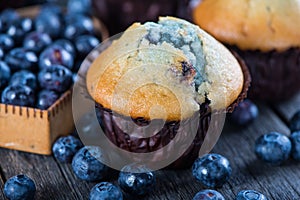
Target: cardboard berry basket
{"x":34,"y":130}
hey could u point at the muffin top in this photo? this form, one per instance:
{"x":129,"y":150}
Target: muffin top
{"x":251,"y":25}
{"x":164,"y":70}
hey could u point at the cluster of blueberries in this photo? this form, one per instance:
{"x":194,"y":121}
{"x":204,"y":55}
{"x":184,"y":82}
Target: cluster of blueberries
{"x":211,"y":170}
{"x":134,"y":182}
{"x":39,"y":57}
{"x":275,"y":148}
{"x":87,"y":164}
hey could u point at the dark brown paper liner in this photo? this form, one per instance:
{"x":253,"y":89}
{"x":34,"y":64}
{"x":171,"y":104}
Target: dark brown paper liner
{"x":110,"y":120}
{"x":246,"y":85}
{"x":160,"y":139}
{"x":275,"y":75}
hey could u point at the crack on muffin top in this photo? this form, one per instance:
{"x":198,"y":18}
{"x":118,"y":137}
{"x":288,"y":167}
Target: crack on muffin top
{"x":181,"y":37}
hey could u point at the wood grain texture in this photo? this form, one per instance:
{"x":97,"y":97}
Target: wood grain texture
{"x":79,"y":187}
{"x":57,"y":181}
{"x":2,"y":180}
{"x":50,"y":182}
{"x":237,"y":144}
{"x":287,"y":108}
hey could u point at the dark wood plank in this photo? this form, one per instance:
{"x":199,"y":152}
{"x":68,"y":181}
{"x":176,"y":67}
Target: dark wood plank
{"x":287,"y":109}
{"x":2,"y":181}
{"x":237,"y":144}
{"x":50,"y":182}
{"x":81,"y":188}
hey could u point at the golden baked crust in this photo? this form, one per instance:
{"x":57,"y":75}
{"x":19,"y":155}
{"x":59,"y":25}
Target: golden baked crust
{"x":251,"y":25}
{"x":136,"y":78}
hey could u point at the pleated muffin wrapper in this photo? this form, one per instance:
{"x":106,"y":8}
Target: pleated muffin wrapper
{"x":164,"y":132}
{"x":275,"y":74}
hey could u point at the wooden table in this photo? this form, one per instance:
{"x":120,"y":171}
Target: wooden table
{"x":57,"y":181}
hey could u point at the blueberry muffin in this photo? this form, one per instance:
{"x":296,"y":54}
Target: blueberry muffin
{"x":265,"y":34}
{"x":171,"y":72}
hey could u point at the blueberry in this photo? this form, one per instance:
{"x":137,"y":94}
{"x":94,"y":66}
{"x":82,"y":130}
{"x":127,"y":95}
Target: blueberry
{"x":1,"y":53}
{"x":24,"y":77}
{"x":80,"y":6}
{"x":19,"y":28}
{"x":21,"y":95}
{"x":250,"y":195}
{"x":50,"y":23}
{"x":244,"y":113}
{"x":137,"y":181}
{"x":295,"y":139}
{"x":46,"y":98}
{"x":77,"y":25}
{"x":294,"y":123}
{"x":6,"y":42}
{"x":21,"y":58}
{"x":85,"y":44}
{"x":67,"y":45}
{"x":36,"y":41}
{"x":19,"y":187}
{"x":4,"y":74}
{"x":55,"y":77}
{"x":105,"y":191}
{"x":55,"y":54}
{"x":273,"y":148}
{"x":212,"y":170}
{"x":208,"y":195}
{"x":7,"y":17}
{"x":87,"y":164}
{"x":51,"y":8}
{"x":65,"y":148}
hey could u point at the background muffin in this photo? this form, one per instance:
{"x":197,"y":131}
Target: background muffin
{"x":266,"y":35}
{"x":168,"y":71}
{"x":119,"y":14}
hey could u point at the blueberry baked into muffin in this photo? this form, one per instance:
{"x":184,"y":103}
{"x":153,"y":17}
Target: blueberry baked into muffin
{"x":265,"y":34}
{"x":170,"y":71}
